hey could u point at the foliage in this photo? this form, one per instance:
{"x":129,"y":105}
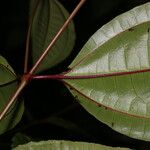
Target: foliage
{"x":115,"y":62}
{"x":49,"y":17}
{"x":63,"y":145}
{"x":8,"y":84}
{"x":109,"y":77}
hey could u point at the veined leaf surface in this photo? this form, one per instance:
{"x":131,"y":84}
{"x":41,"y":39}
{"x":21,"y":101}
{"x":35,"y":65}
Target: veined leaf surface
{"x":49,"y":17}
{"x":7,"y":86}
{"x":5,"y":63}
{"x":64,"y":145}
{"x":110,"y":76}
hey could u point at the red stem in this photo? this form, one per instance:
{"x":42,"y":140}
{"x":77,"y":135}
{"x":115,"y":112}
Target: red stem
{"x":26,"y":59}
{"x":27,"y":77}
{"x":12,"y":99}
{"x":62,"y":76}
{"x":34,"y":68}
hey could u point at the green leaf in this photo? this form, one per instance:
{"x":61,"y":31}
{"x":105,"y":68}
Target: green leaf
{"x":48,"y":19}
{"x":4,"y":62}
{"x":64,"y":145}
{"x":8,"y":85}
{"x":110,"y":76}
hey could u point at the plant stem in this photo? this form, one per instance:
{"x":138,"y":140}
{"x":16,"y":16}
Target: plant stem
{"x":26,"y":60}
{"x":27,"y":76}
{"x":62,"y":76}
{"x":34,"y":68}
{"x":12,"y":99}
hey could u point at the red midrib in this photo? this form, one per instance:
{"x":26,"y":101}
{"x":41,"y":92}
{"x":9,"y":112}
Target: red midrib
{"x":105,"y":106}
{"x":106,"y":75}
{"x":66,"y":76}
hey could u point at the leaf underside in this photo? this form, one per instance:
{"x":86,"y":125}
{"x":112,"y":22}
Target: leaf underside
{"x":48,"y":19}
{"x":8,"y":85}
{"x":108,"y":85}
{"x":64,"y":145}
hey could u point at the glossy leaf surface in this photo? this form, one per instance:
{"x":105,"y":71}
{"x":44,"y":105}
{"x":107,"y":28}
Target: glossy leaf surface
{"x":48,"y":19}
{"x":7,"y":86}
{"x":110,"y":76}
{"x":64,"y":145}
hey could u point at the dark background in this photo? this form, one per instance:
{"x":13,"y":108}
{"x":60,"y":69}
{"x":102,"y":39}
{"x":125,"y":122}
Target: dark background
{"x":45,"y":98}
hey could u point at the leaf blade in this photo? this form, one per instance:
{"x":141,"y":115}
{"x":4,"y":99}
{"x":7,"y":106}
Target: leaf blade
{"x":49,"y":18}
{"x":110,"y":52}
{"x":114,"y":29}
{"x":8,"y":84}
{"x":63,"y":145}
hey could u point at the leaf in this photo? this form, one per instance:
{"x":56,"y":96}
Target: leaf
{"x":64,"y":145}
{"x":8,"y":84}
{"x":49,"y":18}
{"x":110,"y":76}
{"x":4,"y":62}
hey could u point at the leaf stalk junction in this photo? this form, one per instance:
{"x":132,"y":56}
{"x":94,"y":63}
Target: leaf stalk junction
{"x":26,"y":77}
